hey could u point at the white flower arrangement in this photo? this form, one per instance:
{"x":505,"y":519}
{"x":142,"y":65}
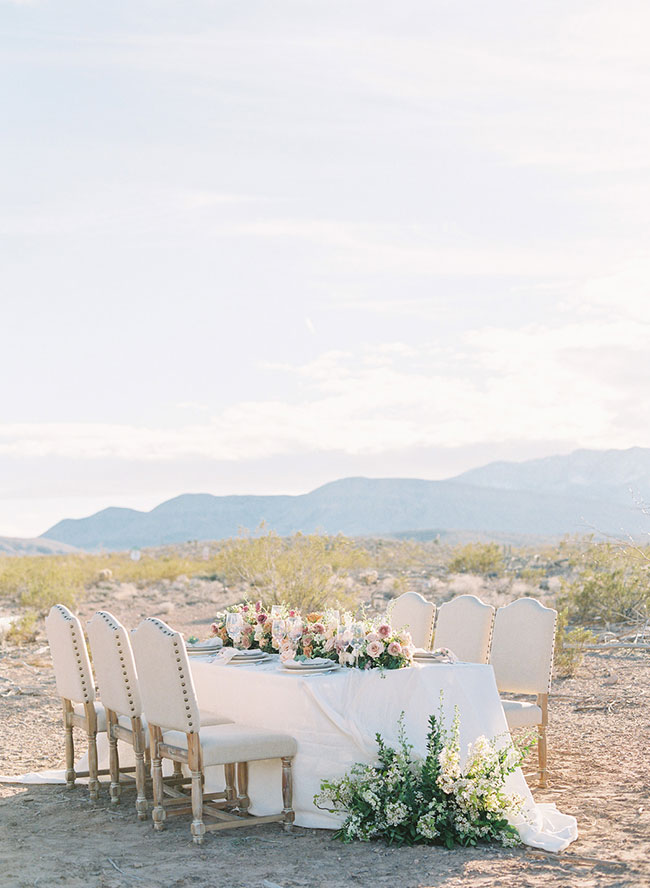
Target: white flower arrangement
{"x":404,"y":800}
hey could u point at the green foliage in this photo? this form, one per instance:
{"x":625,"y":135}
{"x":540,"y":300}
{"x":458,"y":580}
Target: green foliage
{"x":24,"y":629}
{"x":310,"y":570}
{"x":569,"y":645}
{"x":408,"y":800}
{"x":37,"y":582}
{"x":477,"y":558}
{"x":611,"y":585}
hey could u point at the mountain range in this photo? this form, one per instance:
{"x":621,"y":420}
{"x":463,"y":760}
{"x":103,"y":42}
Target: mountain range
{"x":587,"y":491}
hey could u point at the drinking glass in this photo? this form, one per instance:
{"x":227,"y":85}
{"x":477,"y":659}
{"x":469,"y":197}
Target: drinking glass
{"x":234,"y":627}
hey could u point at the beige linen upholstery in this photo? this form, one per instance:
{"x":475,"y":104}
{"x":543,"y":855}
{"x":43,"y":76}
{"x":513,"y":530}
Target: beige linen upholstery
{"x":176,"y":733}
{"x":413,"y":612}
{"x":522,"y":657}
{"x":117,"y":681}
{"x":76,"y":687}
{"x":229,"y":743}
{"x":464,"y":625}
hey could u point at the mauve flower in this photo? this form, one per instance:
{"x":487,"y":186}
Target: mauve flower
{"x":261,"y":618}
{"x":258,"y":607}
{"x":214,"y":628}
{"x":248,"y":630}
{"x":394,"y":648}
{"x":319,"y":629}
{"x":375,"y":649}
{"x":372,"y":636}
{"x":246,"y":642}
{"x":245,"y":609}
{"x":384,"y":630}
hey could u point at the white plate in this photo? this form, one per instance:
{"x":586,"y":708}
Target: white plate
{"x":315,"y":663}
{"x":308,"y":670}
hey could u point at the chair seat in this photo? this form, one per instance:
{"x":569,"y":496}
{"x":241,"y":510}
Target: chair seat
{"x":227,"y":743}
{"x":78,"y":709}
{"x":521,"y":714}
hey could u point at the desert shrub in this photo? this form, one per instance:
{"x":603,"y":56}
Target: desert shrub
{"x":611,"y":585}
{"x":24,"y":629}
{"x":39,"y":581}
{"x":309,"y":571}
{"x":569,"y":645}
{"x":477,"y":558}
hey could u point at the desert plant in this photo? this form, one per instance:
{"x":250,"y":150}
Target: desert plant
{"x":569,"y":645}
{"x":309,"y":570}
{"x":477,"y":558}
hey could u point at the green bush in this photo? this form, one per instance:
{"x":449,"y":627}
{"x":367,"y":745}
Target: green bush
{"x":309,"y":571}
{"x":477,"y":558}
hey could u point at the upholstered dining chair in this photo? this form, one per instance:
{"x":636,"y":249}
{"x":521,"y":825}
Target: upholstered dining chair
{"x":413,"y":612}
{"x":117,"y":681}
{"x":522,"y":657}
{"x":176,"y":733}
{"x":76,"y":687}
{"x":464,"y":625}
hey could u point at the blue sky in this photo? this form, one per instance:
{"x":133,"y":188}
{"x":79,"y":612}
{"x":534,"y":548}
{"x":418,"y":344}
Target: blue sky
{"x":255,"y":246}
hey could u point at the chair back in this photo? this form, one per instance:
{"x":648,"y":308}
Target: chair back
{"x":115,"y":670}
{"x":522,"y":647}
{"x":413,"y":612}
{"x":72,"y":669}
{"x":165,"y":678}
{"x":464,"y":625}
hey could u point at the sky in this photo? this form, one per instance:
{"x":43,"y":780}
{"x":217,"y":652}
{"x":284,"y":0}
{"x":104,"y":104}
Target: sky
{"x":252,"y":247}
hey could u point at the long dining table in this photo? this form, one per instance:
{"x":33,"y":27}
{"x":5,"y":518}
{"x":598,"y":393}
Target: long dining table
{"x":335,"y":717}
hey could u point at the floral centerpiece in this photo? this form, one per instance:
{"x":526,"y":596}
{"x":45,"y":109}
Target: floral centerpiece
{"x":364,"y":644}
{"x":407,"y":800}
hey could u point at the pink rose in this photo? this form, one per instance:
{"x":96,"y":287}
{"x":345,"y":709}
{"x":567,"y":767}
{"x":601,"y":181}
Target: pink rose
{"x":246,"y":641}
{"x":214,"y":628}
{"x":394,"y":648}
{"x":245,"y":609}
{"x":248,"y":630}
{"x":319,"y":629}
{"x":292,"y":613}
{"x":375,"y":649}
{"x":384,"y":630}
{"x":372,"y":636}
{"x":258,"y":607}
{"x":261,"y":618}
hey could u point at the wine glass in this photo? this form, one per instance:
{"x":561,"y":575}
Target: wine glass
{"x":234,"y":627}
{"x":278,"y":631}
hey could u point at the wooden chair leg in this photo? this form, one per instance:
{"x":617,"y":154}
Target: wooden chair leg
{"x":196,"y":770}
{"x":287,"y":794}
{"x":140,"y":768}
{"x":158,"y":814}
{"x":229,"y":774}
{"x":70,"y":775}
{"x":93,"y":782}
{"x":113,"y":758}
{"x":243,"y":800}
{"x":542,"y":755}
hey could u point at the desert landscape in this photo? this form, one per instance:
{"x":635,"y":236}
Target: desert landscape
{"x":598,"y":731}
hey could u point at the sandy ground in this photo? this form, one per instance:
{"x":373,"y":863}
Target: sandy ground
{"x":599,"y":770}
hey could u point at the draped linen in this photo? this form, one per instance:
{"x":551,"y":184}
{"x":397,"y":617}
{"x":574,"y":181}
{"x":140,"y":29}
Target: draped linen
{"x":334,"y":718}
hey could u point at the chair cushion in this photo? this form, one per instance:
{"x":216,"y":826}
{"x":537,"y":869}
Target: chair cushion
{"x":223,"y":744}
{"x":521,"y":714}
{"x":209,"y":718}
{"x":78,"y":709}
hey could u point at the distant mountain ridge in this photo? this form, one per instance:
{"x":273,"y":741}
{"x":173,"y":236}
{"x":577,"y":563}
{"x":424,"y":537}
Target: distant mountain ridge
{"x":583,"y":492}
{"x":38,"y":546}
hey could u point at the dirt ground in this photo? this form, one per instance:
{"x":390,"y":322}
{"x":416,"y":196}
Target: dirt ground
{"x":599,"y":771}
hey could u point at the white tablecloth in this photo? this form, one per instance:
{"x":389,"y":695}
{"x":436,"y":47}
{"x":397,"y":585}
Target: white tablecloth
{"x":334,"y":718}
